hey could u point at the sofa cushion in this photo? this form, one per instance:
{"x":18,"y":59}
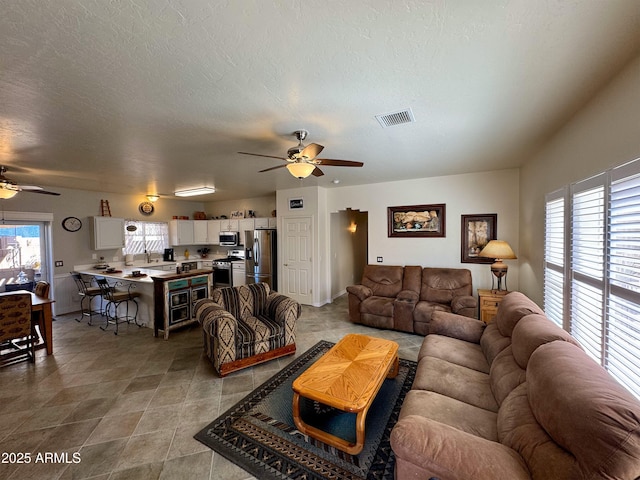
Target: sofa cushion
{"x":513,"y":307}
{"x":455,"y":381}
{"x":455,"y":351}
{"x":442,"y":285}
{"x":585,"y":411}
{"x":493,"y":342}
{"x":519,"y":429}
{"x":383,"y":280}
{"x":531,"y":332}
{"x":508,"y":368}
{"x":452,"y":412}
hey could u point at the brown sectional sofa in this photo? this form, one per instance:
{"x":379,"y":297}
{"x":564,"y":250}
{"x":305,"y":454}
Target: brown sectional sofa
{"x":405,"y":298}
{"x":517,"y":399}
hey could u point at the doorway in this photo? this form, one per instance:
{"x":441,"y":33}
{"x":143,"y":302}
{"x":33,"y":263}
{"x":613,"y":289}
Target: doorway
{"x":23,"y":255}
{"x":296,"y":280}
{"x":349,"y":249}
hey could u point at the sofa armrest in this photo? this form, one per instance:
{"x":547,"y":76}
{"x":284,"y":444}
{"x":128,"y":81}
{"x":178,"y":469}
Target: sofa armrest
{"x":437,"y":449}
{"x":466,"y":305}
{"x":282,"y":309}
{"x":456,"y":326}
{"x":360,"y":291}
{"x":212,"y":315}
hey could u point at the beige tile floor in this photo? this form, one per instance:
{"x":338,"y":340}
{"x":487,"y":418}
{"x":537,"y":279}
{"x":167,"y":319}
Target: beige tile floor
{"x":127,"y":406}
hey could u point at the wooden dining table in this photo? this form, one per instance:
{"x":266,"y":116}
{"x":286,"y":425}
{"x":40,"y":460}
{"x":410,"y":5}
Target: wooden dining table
{"x":41,"y":304}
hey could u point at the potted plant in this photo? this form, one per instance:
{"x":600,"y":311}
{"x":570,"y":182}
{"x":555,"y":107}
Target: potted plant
{"x":204,"y":251}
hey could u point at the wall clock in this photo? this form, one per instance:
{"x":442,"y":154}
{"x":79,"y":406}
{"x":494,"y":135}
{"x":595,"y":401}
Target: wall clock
{"x":146,"y":208}
{"x":71,"y":224}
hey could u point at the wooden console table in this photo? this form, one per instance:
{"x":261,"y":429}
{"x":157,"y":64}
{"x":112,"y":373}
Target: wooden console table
{"x":347,"y":377}
{"x":488,"y":303}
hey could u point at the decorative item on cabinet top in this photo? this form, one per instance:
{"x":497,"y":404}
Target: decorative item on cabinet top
{"x":199,"y":216}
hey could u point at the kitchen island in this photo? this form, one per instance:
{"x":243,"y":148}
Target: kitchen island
{"x":166,"y":298}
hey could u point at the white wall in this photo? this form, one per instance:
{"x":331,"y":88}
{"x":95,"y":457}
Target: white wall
{"x":605,"y":133}
{"x":473,"y":193}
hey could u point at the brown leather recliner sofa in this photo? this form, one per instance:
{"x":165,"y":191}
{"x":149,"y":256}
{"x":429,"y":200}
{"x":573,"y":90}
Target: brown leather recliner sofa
{"x":517,"y":399}
{"x":405,"y":298}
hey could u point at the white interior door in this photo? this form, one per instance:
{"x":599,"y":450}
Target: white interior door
{"x":297,"y":264}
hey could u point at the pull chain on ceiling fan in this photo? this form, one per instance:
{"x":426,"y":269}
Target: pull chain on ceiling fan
{"x":302,"y":160}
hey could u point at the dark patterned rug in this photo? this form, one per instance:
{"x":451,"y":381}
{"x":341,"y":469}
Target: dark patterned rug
{"x":259,"y":434}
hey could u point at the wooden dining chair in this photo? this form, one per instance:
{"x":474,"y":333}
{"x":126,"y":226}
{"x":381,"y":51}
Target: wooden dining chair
{"x":16,"y":325}
{"x":41,"y":289}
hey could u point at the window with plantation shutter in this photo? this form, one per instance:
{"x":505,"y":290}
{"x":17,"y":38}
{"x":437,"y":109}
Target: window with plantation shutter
{"x":587,"y":264}
{"x":622,"y":345}
{"x":592,"y":268}
{"x":554,"y":254}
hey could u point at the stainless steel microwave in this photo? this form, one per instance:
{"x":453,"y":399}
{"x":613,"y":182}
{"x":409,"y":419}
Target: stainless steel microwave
{"x":229,"y":239}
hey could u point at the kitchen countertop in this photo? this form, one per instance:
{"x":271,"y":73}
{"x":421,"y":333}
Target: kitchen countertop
{"x":125,"y":274}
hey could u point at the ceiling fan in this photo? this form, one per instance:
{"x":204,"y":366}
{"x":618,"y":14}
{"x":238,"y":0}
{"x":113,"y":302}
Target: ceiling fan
{"x":9,"y":188}
{"x":302,"y":161}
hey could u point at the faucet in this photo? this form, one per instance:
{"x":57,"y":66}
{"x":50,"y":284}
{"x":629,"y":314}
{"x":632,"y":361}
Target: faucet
{"x":147,"y":256}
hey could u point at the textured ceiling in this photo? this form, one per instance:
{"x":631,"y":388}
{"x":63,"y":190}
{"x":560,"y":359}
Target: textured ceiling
{"x":152,"y":96}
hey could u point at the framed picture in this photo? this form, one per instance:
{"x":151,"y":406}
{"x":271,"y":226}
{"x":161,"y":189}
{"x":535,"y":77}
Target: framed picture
{"x":476,"y":232}
{"x":237,"y":214}
{"x":417,"y":221}
{"x":296,"y":204}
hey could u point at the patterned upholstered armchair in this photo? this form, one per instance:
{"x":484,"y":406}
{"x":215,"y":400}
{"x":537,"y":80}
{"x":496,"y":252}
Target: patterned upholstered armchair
{"x":247,"y":325}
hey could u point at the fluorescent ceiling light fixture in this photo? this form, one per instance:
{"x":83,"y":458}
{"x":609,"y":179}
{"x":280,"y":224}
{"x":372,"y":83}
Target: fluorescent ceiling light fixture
{"x":192,"y":192}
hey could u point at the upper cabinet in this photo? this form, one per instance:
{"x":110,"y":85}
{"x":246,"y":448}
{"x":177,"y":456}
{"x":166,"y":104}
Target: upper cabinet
{"x":213,"y":232}
{"x":200,"y":232}
{"x":247,"y":224}
{"x":181,"y":232}
{"x":107,"y":233}
{"x":228,"y":225}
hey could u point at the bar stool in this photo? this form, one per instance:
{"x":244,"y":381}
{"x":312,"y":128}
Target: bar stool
{"x":114,"y":299}
{"x":86,"y":292}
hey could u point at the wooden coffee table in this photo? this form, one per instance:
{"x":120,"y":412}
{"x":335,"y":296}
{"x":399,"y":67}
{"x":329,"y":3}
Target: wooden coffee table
{"x":348,"y":378}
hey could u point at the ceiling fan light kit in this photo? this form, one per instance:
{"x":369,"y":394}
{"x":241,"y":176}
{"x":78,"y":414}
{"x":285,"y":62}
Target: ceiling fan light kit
{"x":302,"y":160}
{"x":192,"y":192}
{"x":301,"y":169}
{"x":9,"y":188}
{"x":6,"y":191}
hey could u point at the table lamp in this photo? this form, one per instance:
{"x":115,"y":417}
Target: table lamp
{"x":498,"y":250}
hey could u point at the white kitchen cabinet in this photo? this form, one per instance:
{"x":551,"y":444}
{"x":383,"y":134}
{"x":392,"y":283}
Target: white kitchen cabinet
{"x":200,"y":232}
{"x":238,"y":273}
{"x":228,"y":225}
{"x":107,"y":233}
{"x":213,"y":232}
{"x":246,"y":224}
{"x":261,"y":222}
{"x":273,"y":222}
{"x":181,"y":232}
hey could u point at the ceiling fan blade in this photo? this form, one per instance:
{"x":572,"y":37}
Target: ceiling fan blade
{"x":266,"y":156}
{"x":272,"y":168}
{"x":317,"y":172}
{"x":311,"y":151}
{"x":338,"y":163}
{"x":34,"y":189}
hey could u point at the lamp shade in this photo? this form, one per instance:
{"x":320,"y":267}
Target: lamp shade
{"x":497,"y":249}
{"x":301,"y":169}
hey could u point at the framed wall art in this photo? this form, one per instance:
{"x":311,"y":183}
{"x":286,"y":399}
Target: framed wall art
{"x":476,"y":232}
{"x":417,"y":221}
{"x":296,"y":204}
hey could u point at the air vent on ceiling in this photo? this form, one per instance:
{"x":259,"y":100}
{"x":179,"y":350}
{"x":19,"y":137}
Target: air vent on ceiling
{"x":396,"y":118}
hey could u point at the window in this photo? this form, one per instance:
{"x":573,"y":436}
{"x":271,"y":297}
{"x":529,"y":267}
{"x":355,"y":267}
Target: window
{"x":593,"y":290}
{"x":145,"y":237}
{"x":21,"y":252}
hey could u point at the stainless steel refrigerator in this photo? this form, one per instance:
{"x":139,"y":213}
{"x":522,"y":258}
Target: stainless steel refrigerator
{"x":260,"y":257}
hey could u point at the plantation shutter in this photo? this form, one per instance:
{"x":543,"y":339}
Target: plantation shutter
{"x":622,"y":344}
{"x":588,"y":229}
{"x":554,"y":257}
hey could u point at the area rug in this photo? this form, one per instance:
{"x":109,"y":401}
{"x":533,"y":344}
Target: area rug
{"x":259,"y":435}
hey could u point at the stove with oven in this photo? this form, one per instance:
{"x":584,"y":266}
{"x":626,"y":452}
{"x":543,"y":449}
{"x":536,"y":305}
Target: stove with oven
{"x":222,"y":269}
